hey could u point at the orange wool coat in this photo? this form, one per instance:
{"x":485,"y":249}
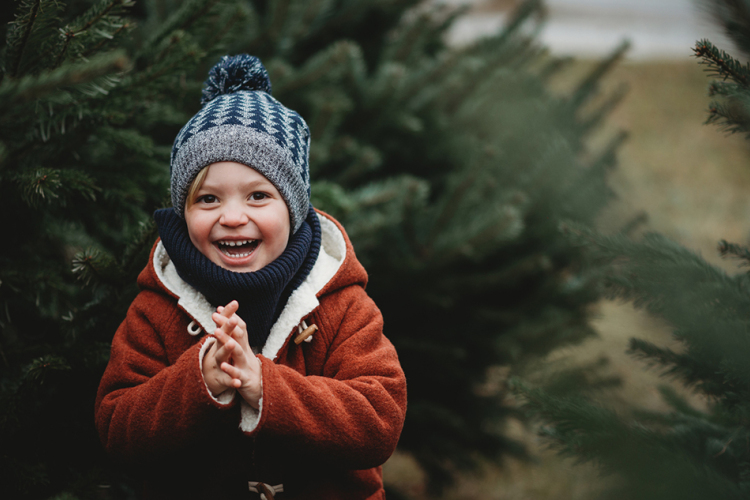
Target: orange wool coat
{"x":331,"y":412}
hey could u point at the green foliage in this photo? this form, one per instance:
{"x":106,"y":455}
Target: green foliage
{"x":450,"y":167}
{"x":688,"y":452}
{"x":87,"y":117}
{"x":730,"y":107}
{"x":733,"y":16}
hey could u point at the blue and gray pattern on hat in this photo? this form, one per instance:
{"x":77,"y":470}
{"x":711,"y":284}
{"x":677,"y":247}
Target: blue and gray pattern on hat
{"x":256,"y":110}
{"x":261,"y":115}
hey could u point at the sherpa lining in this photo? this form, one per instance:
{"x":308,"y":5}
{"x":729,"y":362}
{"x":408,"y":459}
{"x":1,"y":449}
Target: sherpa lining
{"x":301,"y":302}
{"x":188,"y":298}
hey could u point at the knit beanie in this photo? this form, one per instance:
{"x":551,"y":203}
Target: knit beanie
{"x":241,"y":122}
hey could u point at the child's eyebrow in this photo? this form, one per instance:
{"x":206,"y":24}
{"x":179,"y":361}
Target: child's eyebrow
{"x":257,"y":184}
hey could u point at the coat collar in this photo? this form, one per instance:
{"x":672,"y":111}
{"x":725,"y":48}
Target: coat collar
{"x":301,"y":303}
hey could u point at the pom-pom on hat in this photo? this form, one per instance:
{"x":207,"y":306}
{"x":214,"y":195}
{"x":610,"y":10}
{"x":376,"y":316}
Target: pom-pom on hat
{"x":241,"y":122}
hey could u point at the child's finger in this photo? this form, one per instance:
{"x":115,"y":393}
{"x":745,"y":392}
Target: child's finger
{"x":242,"y":360}
{"x":225,"y":351}
{"x":227,"y":325}
{"x":240,"y":322}
{"x":220,"y":335}
{"x":228,"y":310}
{"x":241,"y":327}
{"x":231,"y":370}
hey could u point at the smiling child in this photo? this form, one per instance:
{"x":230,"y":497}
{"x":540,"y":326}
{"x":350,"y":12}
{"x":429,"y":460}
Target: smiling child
{"x":252,"y":364}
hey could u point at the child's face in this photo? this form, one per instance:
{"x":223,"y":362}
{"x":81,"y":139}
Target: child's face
{"x":238,"y":219}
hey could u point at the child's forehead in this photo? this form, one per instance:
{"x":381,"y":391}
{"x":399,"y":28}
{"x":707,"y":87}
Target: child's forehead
{"x":232,"y":172}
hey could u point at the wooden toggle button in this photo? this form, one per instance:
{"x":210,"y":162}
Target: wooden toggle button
{"x":305,"y":334}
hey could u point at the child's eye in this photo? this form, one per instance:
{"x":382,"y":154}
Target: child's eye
{"x":206,"y":198}
{"x":258,"y":196}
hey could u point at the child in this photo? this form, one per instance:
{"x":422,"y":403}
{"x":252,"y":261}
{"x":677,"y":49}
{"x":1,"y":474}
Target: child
{"x":252,"y":364}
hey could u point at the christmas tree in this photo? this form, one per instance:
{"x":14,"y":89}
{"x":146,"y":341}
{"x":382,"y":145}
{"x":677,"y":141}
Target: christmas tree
{"x":699,"y":448}
{"x":450,"y":168}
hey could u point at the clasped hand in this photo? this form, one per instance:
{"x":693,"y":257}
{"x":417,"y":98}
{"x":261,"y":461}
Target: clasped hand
{"x":230,"y":363}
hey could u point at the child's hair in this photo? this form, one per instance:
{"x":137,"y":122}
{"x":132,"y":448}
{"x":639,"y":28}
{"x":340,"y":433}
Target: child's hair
{"x":194,"y":187}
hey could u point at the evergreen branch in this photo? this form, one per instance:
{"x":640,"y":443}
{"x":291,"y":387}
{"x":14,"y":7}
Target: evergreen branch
{"x":367,"y":160}
{"x":61,"y":56}
{"x":45,"y":185}
{"x":29,"y":25}
{"x":734,"y":17}
{"x":731,"y":115}
{"x":98,"y":12}
{"x":445,"y":212}
{"x":588,"y":191}
{"x":107,"y":10}
{"x":720,"y":63}
{"x":340,"y":58}
{"x":38,"y":370}
{"x":406,"y":42}
{"x":171,"y":55}
{"x":276,"y":16}
{"x":605,"y":109}
{"x":692,"y":371}
{"x":384,"y":86}
{"x":436,"y":72}
{"x":223,"y":25}
{"x":137,"y":252}
{"x":41,"y":186}
{"x":314,"y":11}
{"x":186,"y":15}
{"x":608,"y":156}
{"x":95,"y":49}
{"x":553,"y":67}
{"x":93,"y":266}
{"x":724,"y":89}
{"x":727,"y":249}
{"x":32,"y":87}
{"x":635,"y":222}
{"x":588,"y":86}
{"x":518,"y":18}
{"x":679,"y":403}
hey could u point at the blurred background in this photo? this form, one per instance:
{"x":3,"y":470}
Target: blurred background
{"x":590,"y":28}
{"x":501,"y":167}
{"x":691,"y":180}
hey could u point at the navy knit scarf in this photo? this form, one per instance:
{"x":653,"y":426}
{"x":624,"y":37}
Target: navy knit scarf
{"x":261,"y":294}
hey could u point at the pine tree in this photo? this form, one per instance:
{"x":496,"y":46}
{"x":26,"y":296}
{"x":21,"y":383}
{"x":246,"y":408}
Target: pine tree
{"x":450,"y":168}
{"x":451,"y":191}
{"x":88,"y":110}
{"x":688,"y":452}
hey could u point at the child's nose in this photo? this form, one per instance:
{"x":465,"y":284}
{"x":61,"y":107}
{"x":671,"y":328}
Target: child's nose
{"x":234,"y":215}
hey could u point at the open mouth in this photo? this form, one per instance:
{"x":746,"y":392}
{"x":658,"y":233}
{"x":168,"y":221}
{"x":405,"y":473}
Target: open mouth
{"x":237,"y":249}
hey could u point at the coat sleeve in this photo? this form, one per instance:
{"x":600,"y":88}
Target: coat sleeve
{"x":351,"y":416}
{"x":147,"y":406}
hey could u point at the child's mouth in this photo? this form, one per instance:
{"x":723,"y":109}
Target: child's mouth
{"x":237,"y":249}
